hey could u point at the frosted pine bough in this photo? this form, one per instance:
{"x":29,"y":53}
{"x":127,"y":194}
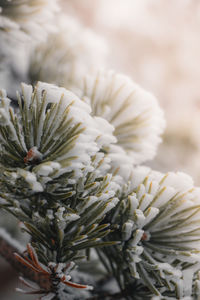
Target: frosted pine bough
{"x":23,"y":24}
{"x":68,"y":168}
{"x":68,"y":54}
{"x":53,"y":178}
{"x":159,"y":229}
{"x":134,"y":113}
{"x":55,"y":181}
{"x":28,"y":17}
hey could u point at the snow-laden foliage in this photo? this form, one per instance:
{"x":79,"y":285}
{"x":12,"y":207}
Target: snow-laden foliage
{"x":27,"y":17}
{"x":69,"y":169}
{"x":158,"y":224}
{"x":53,"y":176}
{"x":68,"y":54}
{"x":134,"y":113}
{"x":23,"y":23}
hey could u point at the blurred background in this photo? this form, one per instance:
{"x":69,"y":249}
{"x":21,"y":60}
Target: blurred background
{"x":157,"y":43}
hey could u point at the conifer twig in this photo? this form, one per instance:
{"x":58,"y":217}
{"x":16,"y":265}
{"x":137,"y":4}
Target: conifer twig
{"x":8,"y":246}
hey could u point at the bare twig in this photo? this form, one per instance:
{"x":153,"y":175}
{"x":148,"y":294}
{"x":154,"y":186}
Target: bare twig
{"x":7,"y":249}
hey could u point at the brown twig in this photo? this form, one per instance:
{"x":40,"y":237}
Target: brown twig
{"x":7,"y":276}
{"x":7,"y":250}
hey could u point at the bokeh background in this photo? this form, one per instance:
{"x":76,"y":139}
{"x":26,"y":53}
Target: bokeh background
{"x":157,"y":43}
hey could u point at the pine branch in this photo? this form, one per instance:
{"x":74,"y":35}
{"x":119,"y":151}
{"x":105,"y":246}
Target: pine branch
{"x":8,"y":247}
